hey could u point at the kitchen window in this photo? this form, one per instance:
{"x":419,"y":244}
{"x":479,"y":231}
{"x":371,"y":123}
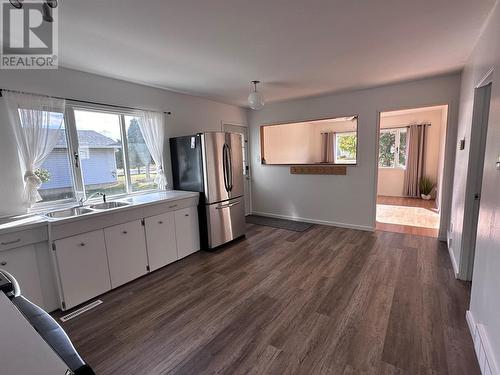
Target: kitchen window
{"x":142,"y":168}
{"x":98,"y":150}
{"x":392,"y":148}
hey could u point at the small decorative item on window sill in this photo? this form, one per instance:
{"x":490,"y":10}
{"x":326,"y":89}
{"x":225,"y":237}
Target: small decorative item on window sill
{"x":319,"y":169}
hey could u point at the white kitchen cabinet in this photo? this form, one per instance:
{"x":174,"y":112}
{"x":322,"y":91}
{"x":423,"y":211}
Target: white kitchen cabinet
{"x":21,"y":262}
{"x":126,"y":247}
{"x":160,"y":238}
{"x":187,"y":231}
{"x":83,"y":267}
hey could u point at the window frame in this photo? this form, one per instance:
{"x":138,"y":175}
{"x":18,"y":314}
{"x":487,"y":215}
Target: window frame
{"x":73,"y":150}
{"x":335,"y":143}
{"x":397,"y":146}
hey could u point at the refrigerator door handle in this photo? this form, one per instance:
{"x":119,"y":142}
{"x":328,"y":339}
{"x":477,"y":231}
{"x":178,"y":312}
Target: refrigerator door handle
{"x":224,"y":167}
{"x":227,"y":205}
{"x":230,"y":168}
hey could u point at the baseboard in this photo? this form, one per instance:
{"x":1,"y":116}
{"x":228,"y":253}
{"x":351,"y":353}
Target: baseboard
{"x":482,"y":347}
{"x":314,"y":221}
{"x":453,"y":262}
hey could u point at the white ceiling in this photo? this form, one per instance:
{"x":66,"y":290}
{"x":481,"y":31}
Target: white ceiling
{"x":298,"y":48}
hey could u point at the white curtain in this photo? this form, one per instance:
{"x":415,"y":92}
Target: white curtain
{"x":36,"y":121}
{"x":153,"y":130}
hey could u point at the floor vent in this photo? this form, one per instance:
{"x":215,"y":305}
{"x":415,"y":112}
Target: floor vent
{"x":81,"y":310}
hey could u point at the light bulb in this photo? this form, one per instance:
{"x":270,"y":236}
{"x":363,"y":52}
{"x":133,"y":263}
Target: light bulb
{"x":256,"y":100}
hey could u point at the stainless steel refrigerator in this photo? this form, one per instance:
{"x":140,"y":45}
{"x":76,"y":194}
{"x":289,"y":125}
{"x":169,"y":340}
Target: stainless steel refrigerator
{"x":212,"y":164}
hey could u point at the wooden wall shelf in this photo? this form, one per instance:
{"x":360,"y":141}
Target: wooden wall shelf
{"x":319,"y":169}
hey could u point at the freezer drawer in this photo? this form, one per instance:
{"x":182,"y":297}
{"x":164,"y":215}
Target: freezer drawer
{"x":225,"y":221}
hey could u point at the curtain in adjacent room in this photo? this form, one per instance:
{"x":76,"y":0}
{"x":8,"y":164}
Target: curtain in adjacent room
{"x":328,"y":144}
{"x":415,"y":160}
{"x":153,"y":130}
{"x":36,"y":121}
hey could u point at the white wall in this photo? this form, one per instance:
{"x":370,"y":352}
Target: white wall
{"x":341,"y":200}
{"x":391,"y":180}
{"x":190,"y":114}
{"x":485,"y":298}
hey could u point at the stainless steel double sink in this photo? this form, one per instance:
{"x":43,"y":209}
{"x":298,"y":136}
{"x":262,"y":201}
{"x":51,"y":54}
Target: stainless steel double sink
{"x":78,"y":211}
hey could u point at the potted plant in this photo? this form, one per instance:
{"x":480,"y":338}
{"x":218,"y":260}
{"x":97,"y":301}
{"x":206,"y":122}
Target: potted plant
{"x":426,"y":187}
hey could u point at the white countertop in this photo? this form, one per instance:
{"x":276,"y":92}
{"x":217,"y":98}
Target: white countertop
{"x":16,"y":223}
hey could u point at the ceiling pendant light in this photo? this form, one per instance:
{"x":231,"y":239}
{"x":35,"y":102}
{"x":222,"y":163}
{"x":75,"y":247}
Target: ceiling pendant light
{"x":255,"y":99}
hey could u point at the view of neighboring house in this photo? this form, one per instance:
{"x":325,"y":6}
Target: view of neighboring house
{"x":97,"y":158}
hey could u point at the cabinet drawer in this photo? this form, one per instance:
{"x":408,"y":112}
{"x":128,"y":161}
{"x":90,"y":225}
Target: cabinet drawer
{"x":187,"y":231}
{"x":126,"y":248}
{"x":178,"y":204}
{"x":22,"y":264}
{"x":160,"y":238}
{"x":83,"y":267}
{"x":23,"y":237}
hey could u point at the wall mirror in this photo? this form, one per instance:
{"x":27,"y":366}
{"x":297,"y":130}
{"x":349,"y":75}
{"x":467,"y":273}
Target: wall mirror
{"x":326,"y":141}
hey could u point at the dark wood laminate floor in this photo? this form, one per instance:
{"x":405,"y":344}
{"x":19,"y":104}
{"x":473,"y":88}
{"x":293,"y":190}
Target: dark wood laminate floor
{"x":324,"y":301}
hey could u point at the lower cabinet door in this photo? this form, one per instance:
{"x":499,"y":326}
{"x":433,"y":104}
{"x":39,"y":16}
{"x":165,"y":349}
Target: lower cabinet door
{"x":22,"y":264}
{"x":126,"y":247}
{"x":83,"y":267}
{"x":187,"y":231}
{"x":160,"y":238}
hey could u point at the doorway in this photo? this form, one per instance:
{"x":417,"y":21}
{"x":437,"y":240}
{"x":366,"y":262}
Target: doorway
{"x":243,"y":132}
{"x":480,"y":116}
{"x":411,"y":170}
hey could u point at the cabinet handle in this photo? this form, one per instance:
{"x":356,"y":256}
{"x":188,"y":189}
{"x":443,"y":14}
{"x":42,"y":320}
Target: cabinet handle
{"x":11,"y":242}
{"x":186,"y":214}
{"x":160,"y":222}
{"x":3,"y":263}
{"x":82,"y":244}
{"x":173,"y":206}
{"x":124,"y":232}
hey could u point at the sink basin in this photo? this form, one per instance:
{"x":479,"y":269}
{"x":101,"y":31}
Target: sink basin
{"x":69,"y":212}
{"x":108,"y":205}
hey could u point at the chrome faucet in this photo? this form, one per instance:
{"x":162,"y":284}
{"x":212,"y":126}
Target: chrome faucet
{"x":82,"y":200}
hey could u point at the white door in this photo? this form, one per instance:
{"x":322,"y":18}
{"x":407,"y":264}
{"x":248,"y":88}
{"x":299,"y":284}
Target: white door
{"x":127,"y":256}
{"x":21,"y":263}
{"x":83,"y":267}
{"x":477,"y":147}
{"x":243,"y":132}
{"x":160,"y":238}
{"x":187,"y":231}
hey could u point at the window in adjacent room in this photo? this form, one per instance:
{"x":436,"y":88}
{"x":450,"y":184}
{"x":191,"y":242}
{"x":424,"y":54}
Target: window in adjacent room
{"x":392,"y":148}
{"x":345,"y":148}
